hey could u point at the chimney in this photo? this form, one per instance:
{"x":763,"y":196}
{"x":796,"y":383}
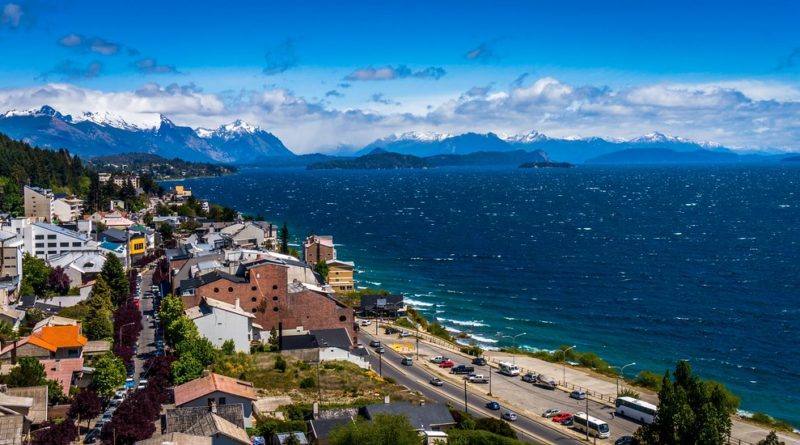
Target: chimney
{"x":213,"y":406}
{"x":315,"y":410}
{"x":386,"y":400}
{"x":236,"y":303}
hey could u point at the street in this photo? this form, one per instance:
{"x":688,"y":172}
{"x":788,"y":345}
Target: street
{"x":147,"y":337}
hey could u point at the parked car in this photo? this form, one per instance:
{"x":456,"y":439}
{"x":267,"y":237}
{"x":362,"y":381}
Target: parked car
{"x":92,"y":436}
{"x":405,"y":334}
{"x":380,"y":350}
{"x":494,"y":406}
{"x":407,"y":361}
{"x":578,"y":394}
{"x":626,"y":440}
{"x":447,"y":364}
{"x":479,"y":378}
{"x":439,"y":359}
{"x":374,"y":343}
{"x":560,"y":417}
{"x":479,"y":361}
{"x":510,"y":416}
{"x":437,"y":381}
{"x":462,"y":369}
{"x":365,"y":322}
{"x":529,"y":377}
{"x":551,"y":412}
{"x":390,"y":331}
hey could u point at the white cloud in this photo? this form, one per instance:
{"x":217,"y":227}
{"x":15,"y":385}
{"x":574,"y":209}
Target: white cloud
{"x":12,"y":15}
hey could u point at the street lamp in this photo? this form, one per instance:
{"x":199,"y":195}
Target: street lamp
{"x":564,"y":364}
{"x":513,"y":344}
{"x":621,"y":372}
{"x":123,"y":327}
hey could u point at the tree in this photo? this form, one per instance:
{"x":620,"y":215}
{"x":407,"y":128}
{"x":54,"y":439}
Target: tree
{"x":6,"y":332}
{"x":34,"y":275}
{"x":291,"y":440}
{"x":198,"y":347}
{"x":97,"y":325}
{"x":285,"y":238}
{"x":322,"y":269}
{"x":28,"y":372}
{"x":58,"y":281}
{"x":115,"y":277}
{"x":382,"y":430}
{"x":180,"y":330}
{"x":690,"y":411}
{"x":109,"y":374}
{"x":52,"y":433}
{"x":171,"y":309}
{"x":280,"y":364}
{"x":771,"y":439}
{"x":55,"y":393}
{"x":496,"y":426}
{"x":85,"y":405}
{"x":228,"y":347}
{"x":186,"y":369}
{"x":100,"y":298}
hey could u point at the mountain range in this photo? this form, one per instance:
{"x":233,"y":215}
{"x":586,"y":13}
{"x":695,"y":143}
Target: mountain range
{"x":98,"y":134}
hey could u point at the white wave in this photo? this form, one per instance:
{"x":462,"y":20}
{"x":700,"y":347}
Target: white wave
{"x":480,"y":339}
{"x":418,"y":303}
{"x":475,"y":323}
{"x":373,"y":282}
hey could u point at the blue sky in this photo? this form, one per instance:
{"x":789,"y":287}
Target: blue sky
{"x":322,"y":75}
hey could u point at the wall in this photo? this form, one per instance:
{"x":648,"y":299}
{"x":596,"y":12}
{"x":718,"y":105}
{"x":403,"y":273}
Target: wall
{"x":220,"y":326}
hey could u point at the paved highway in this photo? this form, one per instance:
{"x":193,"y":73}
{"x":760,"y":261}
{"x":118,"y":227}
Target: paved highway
{"x":417,"y":378}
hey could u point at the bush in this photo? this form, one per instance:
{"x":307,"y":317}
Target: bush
{"x":627,"y":392}
{"x":473,"y":350}
{"x":648,"y":379}
{"x":406,"y":323}
{"x":773,"y":423}
{"x":307,"y":383}
{"x":280,"y":364}
{"x":438,"y":330}
{"x":496,"y":426}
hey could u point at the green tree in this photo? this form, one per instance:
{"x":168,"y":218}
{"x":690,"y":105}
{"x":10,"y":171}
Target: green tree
{"x":198,"y":347}
{"x":34,"y":275}
{"x":181,"y":330}
{"x":171,"y":309}
{"x":100,"y":298}
{"x":228,"y":347}
{"x":280,"y":364}
{"x":28,"y":372}
{"x":109,"y":374}
{"x":55,"y":393}
{"x":285,"y":238}
{"x":291,"y":440}
{"x":496,"y":426}
{"x":115,"y":277}
{"x":98,"y":325}
{"x":382,"y":430}
{"x":186,"y":369}
{"x":322,"y":269}
{"x":6,"y":332}
{"x":771,"y":439}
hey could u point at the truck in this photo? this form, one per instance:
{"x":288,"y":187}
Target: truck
{"x":545,"y":382}
{"x":462,"y":369}
{"x":478,"y":378}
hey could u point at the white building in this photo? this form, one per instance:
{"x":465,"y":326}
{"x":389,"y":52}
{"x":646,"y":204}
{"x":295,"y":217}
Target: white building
{"x":81,"y":266}
{"x":219,"y":321}
{"x":68,"y":209}
{"x":42,"y":240}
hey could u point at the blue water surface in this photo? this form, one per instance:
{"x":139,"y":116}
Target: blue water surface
{"x":644,"y":264}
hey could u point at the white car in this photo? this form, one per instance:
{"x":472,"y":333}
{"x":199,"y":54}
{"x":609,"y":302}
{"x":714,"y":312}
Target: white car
{"x":510,"y":416}
{"x":365,"y":322}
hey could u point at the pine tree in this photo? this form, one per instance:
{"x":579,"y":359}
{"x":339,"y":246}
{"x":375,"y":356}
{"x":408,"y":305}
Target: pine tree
{"x":115,"y":277}
{"x":285,"y":238}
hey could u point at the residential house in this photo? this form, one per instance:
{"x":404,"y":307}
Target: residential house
{"x":66,"y":371}
{"x":422,"y":416}
{"x":247,"y":233}
{"x":219,"y":322}
{"x":35,"y":411}
{"x":14,"y":427}
{"x":175,"y":439}
{"x":136,"y":241}
{"x":67,"y":208}
{"x":178,"y":420}
{"x":340,"y":275}
{"x":81,"y":267}
{"x":121,"y":180}
{"x":382,"y":305}
{"x":38,"y":203}
{"x":54,"y":320}
{"x":9,"y":289}
{"x":215,"y":390}
{"x":10,"y":254}
{"x":12,"y":316}
{"x":323,"y":345}
{"x":43,"y":240}
{"x":318,"y":248}
{"x":50,"y":342}
{"x":103,"y":177}
{"x":112,"y":220}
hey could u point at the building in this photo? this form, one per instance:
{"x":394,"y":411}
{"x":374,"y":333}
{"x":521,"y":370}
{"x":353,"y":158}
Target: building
{"x":382,"y":306}
{"x":10,"y":254}
{"x":178,"y":420}
{"x":175,"y":439}
{"x":81,"y":267}
{"x":67,"y":209}
{"x":181,"y":192}
{"x":50,"y":342}
{"x":137,"y":241}
{"x":282,"y":438}
{"x":112,"y":220}
{"x":247,"y":234}
{"x":38,"y":203}
{"x":103,"y":177}
{"x":215,"y":390}
{"x":121,"y":180}
{"x":219,"y":322}
{"x":43,"y":240}
{"x":323,"y":345}
{"x":422,"y":417}
{"x":340,"y":275}
{"x":317,"y":248}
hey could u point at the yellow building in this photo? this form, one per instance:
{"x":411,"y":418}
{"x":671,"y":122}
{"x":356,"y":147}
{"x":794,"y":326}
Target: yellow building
{"x":138,"y":244}
{"x":340,"y":275}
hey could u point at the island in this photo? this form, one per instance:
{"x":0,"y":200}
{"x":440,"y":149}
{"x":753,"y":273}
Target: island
{"x":377,"y":159}
{"x":548,"y":164}
{"x":158,"y":167}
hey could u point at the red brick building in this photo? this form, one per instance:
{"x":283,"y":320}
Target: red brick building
{"x":318,"y":248}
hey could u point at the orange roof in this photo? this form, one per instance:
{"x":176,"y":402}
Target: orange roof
{"x":211,"y":383}
{"x":54,"y":337}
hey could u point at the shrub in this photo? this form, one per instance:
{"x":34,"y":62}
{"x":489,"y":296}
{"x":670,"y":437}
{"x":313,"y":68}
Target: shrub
{"x":438,"y":330}
{"x":307,"y":383}
{"x":773,"y":423}
{"x":648,"y":379}
{"x":280,"y":364}
{"x":406,"y":323}
{"x":628,"y":392}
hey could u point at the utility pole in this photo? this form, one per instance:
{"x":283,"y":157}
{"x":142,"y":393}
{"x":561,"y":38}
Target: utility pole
{"x":490,"y":378}
{"x":380,"y":365}
{"x":564,"y":365}
{"x":466,"y":408}
{"x":587,"y":418}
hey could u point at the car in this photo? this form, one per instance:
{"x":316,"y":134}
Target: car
{"x":551,"y":412}
{"x":511,"y":416}
{"x":390,"y":331}
{"x":447,"y":364}
{"x":407,"y":361}
{"x":380,"y":350}
{"x":626,"y":440}
{"x":107,"y":417}
{"x":479,"y":361}
{"x":365,"y":322}
{"x":92,"y":436}
{"x":374,"y":343}
{"x":129,"y":383}
{"x":438,"y":359}
{"x":494,"y":406}
{"x":437,"y":381}
{"x":560,"y":417}
{"x":529,"y":377}
{"x":478,"y":378}
{"x":578,"y":394}
{"x":405,"y":334}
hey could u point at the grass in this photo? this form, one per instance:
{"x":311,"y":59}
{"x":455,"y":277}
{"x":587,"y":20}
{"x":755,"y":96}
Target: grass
{"x":771,"y":422}
{"x":339,"y":381}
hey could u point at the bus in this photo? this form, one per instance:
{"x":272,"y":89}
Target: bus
{"x":636,"y":409}
{"x":596,"y":427}
{"x":508,"y":369}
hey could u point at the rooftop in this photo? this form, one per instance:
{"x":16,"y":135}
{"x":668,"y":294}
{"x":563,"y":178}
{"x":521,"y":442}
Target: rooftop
{"x":426,"y":417}
{"x":181,"y":419}
{"x":54,"y":337}
{"x":211,"y":424}
{"x":213,"y":382}
{"x":61,"y":231}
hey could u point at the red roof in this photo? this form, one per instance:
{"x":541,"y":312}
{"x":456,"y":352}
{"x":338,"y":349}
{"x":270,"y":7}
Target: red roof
{"x":211,"y":383}
{"x":61,"y":370}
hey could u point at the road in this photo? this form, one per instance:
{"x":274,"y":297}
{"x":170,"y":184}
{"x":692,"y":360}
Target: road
{"x":147,"y":337}
{"x":417,"y":378}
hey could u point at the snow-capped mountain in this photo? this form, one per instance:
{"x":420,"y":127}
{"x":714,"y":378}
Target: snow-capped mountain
{"x":96,"y":134}
{"x":430,"y":144}
{"x":526,"y":138}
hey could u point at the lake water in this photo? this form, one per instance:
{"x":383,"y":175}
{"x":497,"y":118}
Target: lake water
{"x":644,"y":264}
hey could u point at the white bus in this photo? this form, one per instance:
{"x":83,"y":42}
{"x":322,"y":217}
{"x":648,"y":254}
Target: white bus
{"x":509,"y":369}
{"x":636,"y":409}
{"x":596,"y":427}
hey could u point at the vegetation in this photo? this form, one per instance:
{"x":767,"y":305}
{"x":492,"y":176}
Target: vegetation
{"x":771,"y":422}
{"x":628,"y":392}
{"x":353,"y":298}
{"x":85,"y":405}
{"x":438,"y":330}
{"x":114,"y":275}
{"x":771,"y":439}
{"x":648,"y":379}
{"x":382,"y":430}
{"x":690,"y":411}
{"x":473,"y":350}
{"x":109,"y":374}
{"x":158,"y":167}
{"x":29,"y":372}
{"x":55,"y":433}
{"x":483,"y":431}
{"x":35,"y":273}
{"x":376,"y":160}
{"x":478,"y":437}
{"x":322,"y":269}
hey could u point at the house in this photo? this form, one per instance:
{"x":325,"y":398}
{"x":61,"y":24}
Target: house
{"x":318,"y":248}
{"x":9,"y":288}
{"x":247,"y":234}
{"x":122,"y":180}
{"x":175,"y":439}
{"x":10,"y":254}
{"x":54,"y":320}
{"x":37,"y":410}
{"x":219,"y":430}
{"x":320,"y":429}
{"x":177,"y":420}
{"x":38,"y":203}
{"x":12,"y":316}
{"x":50,"y":342}
{"x":68,"y":208}
{"x":219,"y":322}
{"x":216,"y":390}
{"x":14,"y":427}
{"x":340,"y":275}
{"x":66,"y":371}
{"x":43,"y":240}
{"x":81,"y":267}
{"x":136,"y":241}
{"x":324,"y":344}
{"x":382,"y":305}
{"x":112,"y":220}
{"x":428,"y":417}
{"x":103,"y":177}
{"x":434,"y":437}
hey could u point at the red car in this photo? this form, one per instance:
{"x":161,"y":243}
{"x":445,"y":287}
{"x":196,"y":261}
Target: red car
{"x":562,"y":417}
{"x":447,"y":364}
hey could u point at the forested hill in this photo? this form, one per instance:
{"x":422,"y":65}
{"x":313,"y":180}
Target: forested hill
{"x":22,"y":164}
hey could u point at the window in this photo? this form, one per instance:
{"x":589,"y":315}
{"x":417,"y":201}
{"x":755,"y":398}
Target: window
{"x":39,"y":244}
{"x":253,"y":310}
{"x":230,"y":289}
{"x":222,"y":400}
{"x":275,"y":298}
{"x":64,"y":244}
{"x":253,"y":299}
{"x":216,"y":290}
{"x":211,"y":401}
{"x":253,"y":288}
{"x":275,"y":309}
{"x":274,"y":286}
{"x":52,"y":244}
{"x":342,"y":318}
{"x":39,"y":237}
{"x":39,"y":252}
{"x":52,"y":252}
{"x":51,"y":237}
